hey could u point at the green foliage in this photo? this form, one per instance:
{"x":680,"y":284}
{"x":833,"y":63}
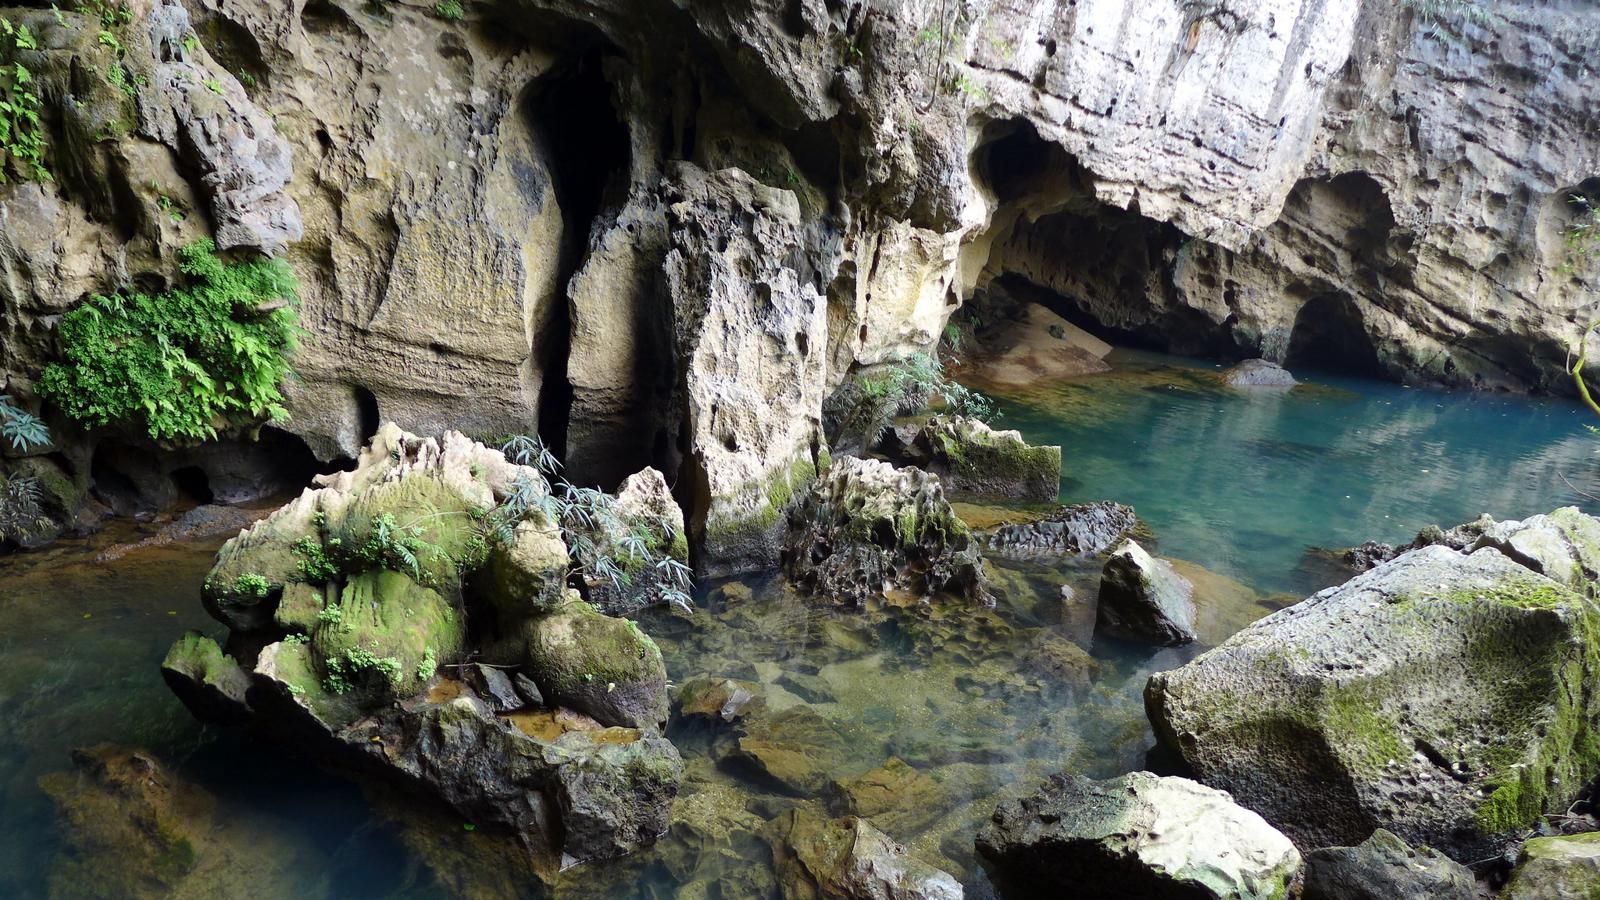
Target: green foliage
{"x":1583,"y":235}
{"x":909,"y":385}
{"x":213,"y":85}
{"x":389,"y":545}
{"x":357,"y":665}
{"x":185,"y":363}
{"x":21,"y":130}
{"x":1443,"y":18}
{"x":315,"y":566}
{"x":625,"y":550}
{"x":449,"y":10}
{"x":21,"y":509}
{"x":428,"y":666}
{"x":252,"y":585}
{"x":23,"y":430}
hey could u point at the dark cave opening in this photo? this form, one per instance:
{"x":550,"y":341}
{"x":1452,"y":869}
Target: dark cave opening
{"x":192,"y":485}
{"x":1330,"y":335}
{"x":588,"y":146}
{"x":368,"y":418}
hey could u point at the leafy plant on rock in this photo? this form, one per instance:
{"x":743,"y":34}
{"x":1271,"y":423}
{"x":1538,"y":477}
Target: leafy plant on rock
{"x":624,"y":551}
{"x":20,"y":428}
{"x":21,"y":509}
{"x":185,"y":363}
{"x":449,"y":10}
{"x":21,"y":130}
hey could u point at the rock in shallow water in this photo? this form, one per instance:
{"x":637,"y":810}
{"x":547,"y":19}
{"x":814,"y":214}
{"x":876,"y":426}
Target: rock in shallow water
{"x":1137,"y":837}
{"x":1440,"y":695}
{"x":1143,"y":598}
{"x":1384,"y":868}
{"x":869,"y":527}
{"x":1085,"y":528}
{"x":848,"y":859}
{"x":971,"y":458}
{"x":1258,"y":373}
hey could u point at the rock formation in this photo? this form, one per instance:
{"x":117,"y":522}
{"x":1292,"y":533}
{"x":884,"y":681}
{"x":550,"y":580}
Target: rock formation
{"x":971,"y":458}
{"x":1383,"y":868}
{"x":352,"y":610}
{"x":1143,"y":598}
{"x":1561,"y":866}
{"x":1437,"y":695}
{"x":1138,"y":836}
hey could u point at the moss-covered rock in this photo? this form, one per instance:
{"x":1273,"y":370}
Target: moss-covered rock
{"x":599,"y":665}
{"x":528,"y":575}
{"x":1565,"y":866}
{"x":1145,"y":599}
{"x":253,"y":568}
{"x":971,"y":458}
{"x":300,"y":608}
{"x":1442,"y":696}
{"x":1383,"y":868}
{"x":387,"y":634}
{"x":208,"y":682}
{"x":869,"y":528}
{"x":647,"y":529}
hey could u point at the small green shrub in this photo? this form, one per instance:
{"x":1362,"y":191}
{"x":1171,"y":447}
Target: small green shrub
{"x":21,"y":509}
{"x":23,"y":430}
{"x":252,"y":585}
{"x":450,"y":10}
{"x":210,"y":354}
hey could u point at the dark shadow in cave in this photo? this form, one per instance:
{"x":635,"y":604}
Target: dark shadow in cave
{"x":192,"y":485}
{"x":572,"y":113}
{"x":1330,"y":334}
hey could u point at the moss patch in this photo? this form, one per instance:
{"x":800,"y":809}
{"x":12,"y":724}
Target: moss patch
{"x":386,"y":627}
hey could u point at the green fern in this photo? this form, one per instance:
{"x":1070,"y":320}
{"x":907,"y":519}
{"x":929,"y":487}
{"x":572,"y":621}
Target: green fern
{"x":186,"y":363}
{"x":21,"y":130}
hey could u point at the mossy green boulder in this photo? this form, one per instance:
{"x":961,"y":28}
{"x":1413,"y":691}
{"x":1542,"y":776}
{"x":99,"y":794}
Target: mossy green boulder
{"x":599,"y":665}
{"x":528,"y":575}
{"x":1564,"y":866}
{"x":208,"y":681}
{"x":1444,"y":696}
{"x":387,"y":633}
{"x":973,"y":459}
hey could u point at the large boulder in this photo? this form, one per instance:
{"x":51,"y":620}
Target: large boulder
{"x":1383,"y":868}
{"x":1566,"y":866}
{"x":848,"y":859}
{"x":971,"y":458}
{"x":1137,"y":837}
{"x":1145,"y":599}
{"x":1443,"y":696}
{"x":1258,"y":373}
{"x":599,"y":665}
{"x":868,"y":528}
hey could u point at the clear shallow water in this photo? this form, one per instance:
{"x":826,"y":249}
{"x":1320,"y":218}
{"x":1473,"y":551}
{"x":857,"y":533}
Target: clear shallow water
{"x":974,"y":703}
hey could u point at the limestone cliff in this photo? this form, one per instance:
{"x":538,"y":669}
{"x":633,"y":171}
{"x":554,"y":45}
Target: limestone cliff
{"x":524,"y":219}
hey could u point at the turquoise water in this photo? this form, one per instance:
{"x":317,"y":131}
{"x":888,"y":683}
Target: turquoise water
{"x":1241,"y":483}
{"x":1244,"y":481}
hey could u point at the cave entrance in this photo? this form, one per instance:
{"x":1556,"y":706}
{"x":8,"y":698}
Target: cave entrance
{"x":588,"y":149}
{"x":1330,"y":334}
{"x":193,"y":486}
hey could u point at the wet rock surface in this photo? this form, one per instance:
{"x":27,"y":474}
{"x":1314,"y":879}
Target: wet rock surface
{"x":1144,"y":598}
{"x":848,"y":858}
{"x":1138,"y":836}
{"x":1261,"y":373}
{"x":1383,"y":867}
{"x":1080,"y":529}
{"x":1452,"y":717}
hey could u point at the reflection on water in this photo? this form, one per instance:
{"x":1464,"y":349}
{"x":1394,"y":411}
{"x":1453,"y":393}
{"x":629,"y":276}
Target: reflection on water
{"x":918,"y":716}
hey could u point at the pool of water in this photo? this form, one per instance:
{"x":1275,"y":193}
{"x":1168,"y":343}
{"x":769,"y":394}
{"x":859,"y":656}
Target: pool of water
{"x":917,"y":715}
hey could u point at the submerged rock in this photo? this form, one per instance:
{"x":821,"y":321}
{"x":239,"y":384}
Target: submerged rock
{"x":1086,"y":529}
{"x":868,"y":528}
{"x":971,"y":458}
{"x":1383,"y":868}
{"x":727,"y":699}
{"x":1137,"y":837}
{"x":1549,"y":867}
{"x":797,"y":748}
{"x":1258,"y":373}
{"x":1143,"y":598}
{"x":1441,"y":696}
{"x":134,"y":828}
{"x":847,"y":858}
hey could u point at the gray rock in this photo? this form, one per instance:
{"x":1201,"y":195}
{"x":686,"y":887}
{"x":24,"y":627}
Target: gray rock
{"x":1383,"y":868}
{"x":527,"y":690}
{"x":495,"y":686}
{"x":1086,"y":529}
{"x":601,"y":666}
{"x":971,"y":458}
{"x":1142,"y":598}
{"x":1258,"y":373}
{"x":1437,"y":696}
{"x":869,"y":527}
{"x":849,"y":859}
{"x":727,"y":699}
{"x":1564,"y":866}
{"x":1137,"y":837}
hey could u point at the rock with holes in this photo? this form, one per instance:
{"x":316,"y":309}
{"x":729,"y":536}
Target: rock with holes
{"x":750,"y":334}
{"x":1082,"y":529}
{"x":1143,"y":598}
{"x":1563,"y":545}
{"x":1137,"y":837}
{"x":1254,"y":373}
{"x":869,"y":527}
{"x":1440,"y":696}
